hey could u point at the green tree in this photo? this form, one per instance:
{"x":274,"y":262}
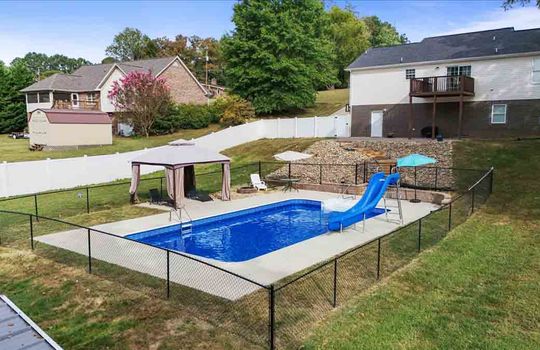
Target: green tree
{"x":41,"y":65}
{"x":278,"y":55}
{"x":508,"y":4}
{"x":383,"y":33}
{"x":350,"y":36}
{"x":131,"y":44}
{"x":12,"y":102}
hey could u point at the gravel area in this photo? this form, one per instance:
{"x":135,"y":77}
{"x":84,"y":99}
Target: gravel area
{"x":378,"y":154}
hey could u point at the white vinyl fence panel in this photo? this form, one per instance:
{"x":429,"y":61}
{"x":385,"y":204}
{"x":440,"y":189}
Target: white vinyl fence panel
{"x":20,"y":178}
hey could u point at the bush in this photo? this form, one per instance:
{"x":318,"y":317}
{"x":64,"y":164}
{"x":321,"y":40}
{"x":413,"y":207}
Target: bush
{"x":185,"y":116}
{"x":233,"y":109}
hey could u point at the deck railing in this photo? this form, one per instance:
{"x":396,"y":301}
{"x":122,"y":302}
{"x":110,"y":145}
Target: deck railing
{"x":88,"y":105}
{"x":441,"y":85}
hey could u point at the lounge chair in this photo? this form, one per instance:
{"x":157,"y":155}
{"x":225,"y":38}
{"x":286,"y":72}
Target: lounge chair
{"x":257,"y":182}
{"x":155,"y":196}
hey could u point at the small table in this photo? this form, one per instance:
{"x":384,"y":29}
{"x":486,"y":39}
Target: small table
{"x":289,"y":184}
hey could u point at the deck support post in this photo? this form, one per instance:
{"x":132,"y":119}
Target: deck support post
{"x":433,"y":116}
{"x":410,"y":115}
{"x":460,"y":117}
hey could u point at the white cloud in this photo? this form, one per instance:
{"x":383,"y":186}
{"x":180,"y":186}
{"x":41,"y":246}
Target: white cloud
{"x":519,"y":18}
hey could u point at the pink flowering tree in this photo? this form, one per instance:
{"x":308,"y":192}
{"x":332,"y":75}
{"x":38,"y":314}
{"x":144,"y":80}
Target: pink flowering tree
{"x":140,"y":98}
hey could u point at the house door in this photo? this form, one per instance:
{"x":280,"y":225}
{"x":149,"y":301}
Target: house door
{"x":75,"y":100}
{"x":376,"y":123}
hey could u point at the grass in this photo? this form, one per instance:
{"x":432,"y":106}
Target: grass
{"x":477,"y":289}
{"x":327,"y":103}
{"x":115,"y":308}
{"x":17,"y":150}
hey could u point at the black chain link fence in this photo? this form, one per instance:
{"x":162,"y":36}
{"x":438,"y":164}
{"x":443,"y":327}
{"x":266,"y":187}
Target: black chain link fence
{"x":276,"y":316}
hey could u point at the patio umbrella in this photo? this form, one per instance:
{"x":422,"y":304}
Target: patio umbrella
{"x":415,"y":160}
{"x":291,"y":156}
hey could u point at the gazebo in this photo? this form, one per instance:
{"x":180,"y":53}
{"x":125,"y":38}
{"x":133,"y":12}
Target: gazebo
{"x":179,"y":159}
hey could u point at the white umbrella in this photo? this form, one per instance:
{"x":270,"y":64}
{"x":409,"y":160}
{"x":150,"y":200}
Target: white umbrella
{"x":291,"y":156}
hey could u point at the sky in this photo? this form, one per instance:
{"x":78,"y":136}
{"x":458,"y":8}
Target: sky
{"x":86,"y":28}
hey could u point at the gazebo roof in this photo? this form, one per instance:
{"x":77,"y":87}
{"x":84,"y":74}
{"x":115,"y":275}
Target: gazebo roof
{"x":178,"y":154}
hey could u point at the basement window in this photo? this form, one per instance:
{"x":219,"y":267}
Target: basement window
{"x":498,"y":114}
{"x":410,"y":73}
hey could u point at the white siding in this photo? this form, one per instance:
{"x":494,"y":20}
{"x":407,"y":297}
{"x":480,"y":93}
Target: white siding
{"x":106,"y":105}
{"x":495,"y":79}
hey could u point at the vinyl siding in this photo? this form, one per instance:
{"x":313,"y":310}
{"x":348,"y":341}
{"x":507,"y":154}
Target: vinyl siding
{"x":495,"y":79}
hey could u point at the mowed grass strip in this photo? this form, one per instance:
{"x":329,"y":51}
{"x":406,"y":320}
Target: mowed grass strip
{"x":478,"y":289}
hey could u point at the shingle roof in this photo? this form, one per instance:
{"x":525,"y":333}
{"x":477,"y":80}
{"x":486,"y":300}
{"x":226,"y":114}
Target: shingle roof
{"x":87,"y":78}
{"x":494,"y":42}
{"x":71,"y":116}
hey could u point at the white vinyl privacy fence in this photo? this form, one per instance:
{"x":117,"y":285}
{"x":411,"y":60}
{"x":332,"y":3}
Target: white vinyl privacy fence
{"x":52,"y":174}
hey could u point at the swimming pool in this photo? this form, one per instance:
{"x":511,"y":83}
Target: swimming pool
{"x":244,"y":234}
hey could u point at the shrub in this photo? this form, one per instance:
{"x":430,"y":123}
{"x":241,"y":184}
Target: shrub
{"x":234,"y":110}
{"x":186,"y":116}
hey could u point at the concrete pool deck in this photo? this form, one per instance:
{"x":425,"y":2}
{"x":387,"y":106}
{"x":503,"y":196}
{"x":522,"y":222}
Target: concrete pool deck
{"x":265,"y":269}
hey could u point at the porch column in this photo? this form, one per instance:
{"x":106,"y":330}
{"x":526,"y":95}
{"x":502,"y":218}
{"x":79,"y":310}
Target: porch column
{"x":433,"y":116}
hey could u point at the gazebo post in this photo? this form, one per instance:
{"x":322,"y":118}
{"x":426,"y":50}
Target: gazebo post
{"x":174,"y":187}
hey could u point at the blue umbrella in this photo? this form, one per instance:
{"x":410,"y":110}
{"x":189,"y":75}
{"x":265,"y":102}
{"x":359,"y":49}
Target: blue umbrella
{"x":415,"y":160}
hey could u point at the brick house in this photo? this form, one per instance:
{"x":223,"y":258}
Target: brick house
{"x":87,"y":88}
{"x":478,"y":84}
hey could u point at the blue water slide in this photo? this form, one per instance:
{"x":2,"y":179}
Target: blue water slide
{"x":375,"y":191}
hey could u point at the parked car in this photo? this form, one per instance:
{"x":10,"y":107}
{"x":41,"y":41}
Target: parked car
{"x":19,"y":135}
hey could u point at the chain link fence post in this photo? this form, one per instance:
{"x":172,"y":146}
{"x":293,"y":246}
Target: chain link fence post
{"x":271,"y":317}
{"x":419,"y":235}
{"x":89,"y":253}
{"x":31,"y":231}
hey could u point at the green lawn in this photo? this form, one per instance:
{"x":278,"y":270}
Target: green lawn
{"x":477,"y":289}
{"x":327,"y":102}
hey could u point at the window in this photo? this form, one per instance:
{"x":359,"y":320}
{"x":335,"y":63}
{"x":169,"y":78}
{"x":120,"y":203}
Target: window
{"x":44,"y":97}
{"x":498,"y":114}
{"x":91,"y":97}
{"x":410,"y":73}
{"x":458,"y":70}
{"x":32,"y":97}
{"x":536,"y":70}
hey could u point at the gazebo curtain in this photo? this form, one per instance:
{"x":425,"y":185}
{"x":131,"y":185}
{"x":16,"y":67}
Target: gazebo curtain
{"x":175,"y":183}
{"x":135,"y":179}
{"x":226,"y":181}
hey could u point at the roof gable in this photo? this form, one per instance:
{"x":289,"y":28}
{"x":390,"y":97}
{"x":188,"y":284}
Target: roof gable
{"x":486,"y":43}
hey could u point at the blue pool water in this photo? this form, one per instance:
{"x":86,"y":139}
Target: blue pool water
{"x":245,"y":234}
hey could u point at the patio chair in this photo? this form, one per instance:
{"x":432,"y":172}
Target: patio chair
{"x":257,"y":182}
{"x":155,"y":196}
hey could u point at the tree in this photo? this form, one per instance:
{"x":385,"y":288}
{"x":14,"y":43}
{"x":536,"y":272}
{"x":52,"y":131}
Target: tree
{"x":508,"y":4}
{"x":42,"y":65}
{"x":278,"y":55}
{"x":131,"y":44}
{"x":350,"y":36}
{"x":383,"y":33}
{"x":141,"y":98}
{"x":12,"y":102}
